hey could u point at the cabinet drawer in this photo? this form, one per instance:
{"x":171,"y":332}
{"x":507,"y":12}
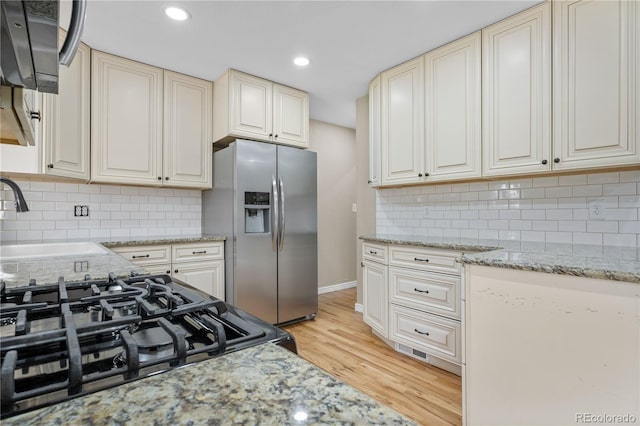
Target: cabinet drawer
{"x":145,"y":255}
{"x":425,"y":259}
{"x":375,"y":252}
{"x":197,"y":251}
{"x":436,"y":293}
{"x":437,"y":336}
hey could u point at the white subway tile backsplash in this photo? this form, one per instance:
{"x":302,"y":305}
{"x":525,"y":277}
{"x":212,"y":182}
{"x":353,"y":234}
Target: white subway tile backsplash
{"x":114,"y":211}
{"x":630,"y":176}
{"x":620,"y":188}
{"x":602,"y":226}
{"x":622,"y":240}
{"x":603,"y":178}
{"x":587,"y":238}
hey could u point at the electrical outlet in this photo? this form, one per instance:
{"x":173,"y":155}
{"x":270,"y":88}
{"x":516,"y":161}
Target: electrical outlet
{"x":596,"y":209}
{"x":81,"y":211}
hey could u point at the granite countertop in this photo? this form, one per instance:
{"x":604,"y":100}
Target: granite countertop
{"x":589,"y":261}
{"x":264,"y":384}
{"x":161,"y":239}
{"x":47,"y":270}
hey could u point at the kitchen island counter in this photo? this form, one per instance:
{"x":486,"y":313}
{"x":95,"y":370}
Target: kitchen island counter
{"x":588,"y":261}
{"x":264,"y":384}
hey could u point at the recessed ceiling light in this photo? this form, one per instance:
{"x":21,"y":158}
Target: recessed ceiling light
{"x":177,"y":13}
{"x":301,"y":61}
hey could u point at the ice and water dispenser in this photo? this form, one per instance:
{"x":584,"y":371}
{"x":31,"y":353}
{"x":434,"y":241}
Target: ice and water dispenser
{"x":256,"y":212}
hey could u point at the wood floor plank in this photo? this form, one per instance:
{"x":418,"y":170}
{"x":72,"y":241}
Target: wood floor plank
{"x":339,"y":342}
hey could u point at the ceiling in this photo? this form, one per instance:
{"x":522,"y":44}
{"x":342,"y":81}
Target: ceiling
{"x":348,"y":42}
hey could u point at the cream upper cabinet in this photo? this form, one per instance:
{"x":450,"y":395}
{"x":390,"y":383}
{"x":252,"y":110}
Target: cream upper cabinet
{"x":290,"y":116}
{"x":66,"y":119}
{"x":402,"y":122}
{"x":516,"y":94}
{"x":374,"y":132}
{"x":149,"y":126}
{"x":126,"y":121}
{"x":250,"y":107}
{"x":187,"y":130}
{"x":596,"y":80}
{"x":452,"y":110}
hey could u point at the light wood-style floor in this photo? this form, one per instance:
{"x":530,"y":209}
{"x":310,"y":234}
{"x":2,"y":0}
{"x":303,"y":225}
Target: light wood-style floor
{"x":339,"y":342}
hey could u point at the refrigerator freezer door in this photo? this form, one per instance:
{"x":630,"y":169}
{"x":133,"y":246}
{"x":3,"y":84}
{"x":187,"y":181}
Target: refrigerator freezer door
{"x":255,"y":279}
{"x":298,"y":248}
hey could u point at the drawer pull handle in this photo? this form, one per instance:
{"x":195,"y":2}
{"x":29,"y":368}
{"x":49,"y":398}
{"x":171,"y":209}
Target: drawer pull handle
{"x":417,"y":259}
{"x":139,"y":257}
{"x":200,"y":252}
{"x":420,"y":332}
{"x":373,"y":252}
{"x":421,"y":291}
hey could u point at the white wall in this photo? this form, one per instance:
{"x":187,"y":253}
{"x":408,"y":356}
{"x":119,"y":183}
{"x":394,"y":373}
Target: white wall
{"x":550,"y":209}
{"x":115,"y":211}
{"x":336,"y":149}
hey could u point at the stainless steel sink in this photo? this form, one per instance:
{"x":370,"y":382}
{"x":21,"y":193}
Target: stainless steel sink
{"x":25,"y":251}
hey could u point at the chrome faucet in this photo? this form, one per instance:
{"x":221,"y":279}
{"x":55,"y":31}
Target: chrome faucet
{"x":21,"y":204}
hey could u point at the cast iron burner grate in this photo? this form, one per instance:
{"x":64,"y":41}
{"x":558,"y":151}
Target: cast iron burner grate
{"x":68,"y":339}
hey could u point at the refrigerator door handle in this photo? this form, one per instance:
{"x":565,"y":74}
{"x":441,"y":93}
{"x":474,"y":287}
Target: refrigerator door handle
{"x":282,"y":222}
{"x":274,"y":216}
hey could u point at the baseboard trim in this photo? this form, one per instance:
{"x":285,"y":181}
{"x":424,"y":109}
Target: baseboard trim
{"x":359,"y":307}
{"x":337,"y":287}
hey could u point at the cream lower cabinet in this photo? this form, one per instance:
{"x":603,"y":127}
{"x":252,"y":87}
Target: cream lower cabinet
{"x":549,"y":349}
{"x":66,"y":119}
{"x":596,"y":81}
{"x":375,"y":288}
{"x":412,"y":299}
{"x":148,"y":127}
{"x":246,"y":106}
{"x":201,"y":265}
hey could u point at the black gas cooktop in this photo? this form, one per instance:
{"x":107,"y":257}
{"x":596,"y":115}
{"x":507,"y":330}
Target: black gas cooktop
{"x":68,"y":339}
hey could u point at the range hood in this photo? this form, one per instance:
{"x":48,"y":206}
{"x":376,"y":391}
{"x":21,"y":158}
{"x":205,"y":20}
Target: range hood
{"x":29,"y":42}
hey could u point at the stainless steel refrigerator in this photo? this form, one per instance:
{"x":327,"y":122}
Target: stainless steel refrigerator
{"x":264,"y":200}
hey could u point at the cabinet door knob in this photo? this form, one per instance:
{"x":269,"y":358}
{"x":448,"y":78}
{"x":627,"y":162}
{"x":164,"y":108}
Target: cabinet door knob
{"x":368,"y":181}
{"x":159,"y":178}
{"x":556,"y":160}
{"x":426,"y":174}
{"x":419,"y":174}
{"x":276,"y":136}
{"x":175,"y":271}
{"x":50,"y":166}
{"x":544,"y":161}
{"x":270,"y":134}
{"x":169,"y":271}
{"x":166,"y":178}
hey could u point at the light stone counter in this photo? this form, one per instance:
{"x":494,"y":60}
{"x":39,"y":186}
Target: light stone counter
{"x":589,"y":261}
{"x":262,"y":385}
{"x":47,"y":270}
{"x":161,"y":239}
